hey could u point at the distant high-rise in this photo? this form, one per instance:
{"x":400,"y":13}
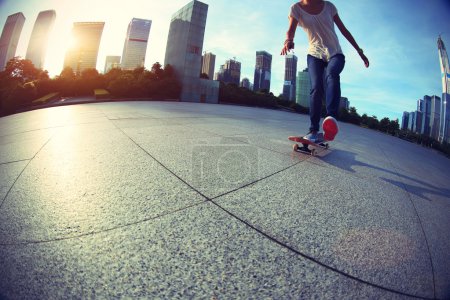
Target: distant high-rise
{"x":405,"y":121}
{"x":245,"y":83}
{"x":184,"y":53}
{"x":412,"y":124}
{"x":112,"y":62}
{"x":426,"y":115}
{"x":10,"y":38}
{"x":37,"y":46}
{"x":135,"y":46}
{"x":230,"y":72}
{"x":344,"y":103}
{"x":416,"y":123}
{"x":435,"y":116}
{"x":444,"y":126}
{"x":208,"y":64}
{"x":263,"y":71}
{"x":290,"y":77}
{"x":303,"y":88}
{"x":83,"y":53}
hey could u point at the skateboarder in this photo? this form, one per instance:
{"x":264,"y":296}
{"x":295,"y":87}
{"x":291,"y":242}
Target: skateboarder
{"x":325,"y":60}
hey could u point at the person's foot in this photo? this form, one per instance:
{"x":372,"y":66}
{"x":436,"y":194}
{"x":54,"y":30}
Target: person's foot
{"x":330,"y":128}
{"x":314,"y":136}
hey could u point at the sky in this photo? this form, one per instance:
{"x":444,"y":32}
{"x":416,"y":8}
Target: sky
{"x":398,"y":36}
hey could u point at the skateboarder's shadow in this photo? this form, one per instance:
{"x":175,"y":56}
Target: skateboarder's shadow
{"x":349,"y":162}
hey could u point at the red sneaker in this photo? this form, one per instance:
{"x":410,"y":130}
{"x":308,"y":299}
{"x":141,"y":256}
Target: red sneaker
{"x":330,"y":128}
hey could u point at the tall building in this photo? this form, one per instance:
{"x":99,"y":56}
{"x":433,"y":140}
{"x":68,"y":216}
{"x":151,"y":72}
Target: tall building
{"x":303,"y":88}
{"x":435,"y":117}
{"x":230,"y":72}
{"x":83,"y":53}
{"x":208,"y":64}
{"x":418,"y":116}
{"x":184,"y":53}
{"x":290,"y":77}
{"x":405,"y":121}
{"x":413,"y":121}
{"x":112,"y":62}
{"x":10,"y":38}
{"x":245,"y":83}
{"x":136,"y":42}
{"x":426,"y":115}
{"x":444,"y":127}
{"x":263,"y":71}
{"x":37,"y":46}
{"x":344,"y":103}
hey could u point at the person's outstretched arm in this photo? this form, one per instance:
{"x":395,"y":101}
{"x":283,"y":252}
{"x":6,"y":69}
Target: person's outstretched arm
{"x":289,"y":43}
{"x":350,"y":38}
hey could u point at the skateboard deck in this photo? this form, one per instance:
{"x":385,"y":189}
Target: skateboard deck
{"x":307,"y":147}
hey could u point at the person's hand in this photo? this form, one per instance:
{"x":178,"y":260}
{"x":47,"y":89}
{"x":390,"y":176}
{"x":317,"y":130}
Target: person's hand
{"x":288,"y":46}
{"x":365,"y":59}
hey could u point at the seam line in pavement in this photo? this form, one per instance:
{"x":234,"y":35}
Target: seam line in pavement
{"x":15,"y":161}
{"x":25,"y":243}
{"x":418,"y":217}
{"x":269,"y":237}
{"x":312,"y":258}
{"x":23,"y":170}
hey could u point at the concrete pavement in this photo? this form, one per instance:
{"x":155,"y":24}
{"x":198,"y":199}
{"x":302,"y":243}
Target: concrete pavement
{"x":181,"y":200}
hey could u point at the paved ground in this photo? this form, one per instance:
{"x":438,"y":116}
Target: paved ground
{"x":178,"y":200}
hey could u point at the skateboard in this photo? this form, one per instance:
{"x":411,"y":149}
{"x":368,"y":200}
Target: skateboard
{"x":306,"y":144}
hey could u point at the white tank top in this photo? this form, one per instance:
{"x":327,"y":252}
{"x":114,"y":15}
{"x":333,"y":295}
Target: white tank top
{"x":323,"y":41}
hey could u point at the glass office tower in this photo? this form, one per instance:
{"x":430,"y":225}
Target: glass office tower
{"x":136,"y":42}
{"x":303,"y":88}
{"x":290,"y":77}
{"x":10,"y":38}
{"x":208,"y":64}
{"x":83,"y":53}
{"x":263,"y":71}
{"x":184,"y":53}
{"x":444,"y":128}
{"x":37,"y":47}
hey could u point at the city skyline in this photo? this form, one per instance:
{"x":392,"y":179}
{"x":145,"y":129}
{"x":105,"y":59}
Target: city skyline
{"x":401,"y":47}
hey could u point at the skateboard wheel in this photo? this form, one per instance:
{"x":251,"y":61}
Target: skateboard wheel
{"x":313,"y":152}
{"x":295,"y":147}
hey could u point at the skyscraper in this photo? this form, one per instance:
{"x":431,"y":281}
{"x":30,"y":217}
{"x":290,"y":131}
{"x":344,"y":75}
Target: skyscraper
{"x":37,"y":46}
{"x":344,"y":103}
{"x":245,"y":83}
{"x":263,"y":70}
{"x":230,"y":72}
{"x":426,"y":115}
{"x":135,"y":46}
{"x":184,"y":53}
{"x":208,"y":64}
{"x":83,"y":53}
{"x":10,"y":38}
{"x":303,"y":88}
{"x":444,"y":127}
{"x":405,"y":121}
{"x":112,"y":62}
{"x":435,"y":117}
{"x":290,"y":77}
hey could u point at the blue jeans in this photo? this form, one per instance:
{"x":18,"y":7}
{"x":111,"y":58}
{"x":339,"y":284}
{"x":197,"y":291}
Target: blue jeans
{"x":325,"y":81}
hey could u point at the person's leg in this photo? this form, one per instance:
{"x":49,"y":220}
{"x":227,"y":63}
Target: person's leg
{"x":333,"y":92}
{"x":333,"y":80}
{"x":316,"y":69}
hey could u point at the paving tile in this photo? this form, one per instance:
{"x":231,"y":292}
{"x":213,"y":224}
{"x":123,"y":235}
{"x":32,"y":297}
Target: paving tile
{"x":367,"y":229}
{"x":80,"y":178}
{"x":196,"y":253}
{"x":435,"y":217}
{"x":213,"y":165}
{"x":8,"y":175}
